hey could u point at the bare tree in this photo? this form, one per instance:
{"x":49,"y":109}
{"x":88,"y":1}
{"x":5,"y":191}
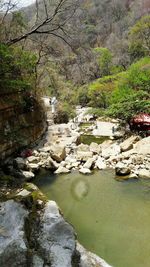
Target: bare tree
{"x":51,"y":19}
{"x":6,"y":7}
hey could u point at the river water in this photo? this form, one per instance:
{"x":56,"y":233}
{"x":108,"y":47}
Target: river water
{"x":111,"y":218}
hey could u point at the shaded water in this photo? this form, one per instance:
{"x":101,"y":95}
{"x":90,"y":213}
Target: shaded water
{"x":111,"y":218}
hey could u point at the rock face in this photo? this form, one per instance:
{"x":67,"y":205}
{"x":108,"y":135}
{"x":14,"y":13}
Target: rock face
{"x":17,"y":123}
{"x":56,"y":238}
{"x":13,"y":247}
{"x":39,"y":236}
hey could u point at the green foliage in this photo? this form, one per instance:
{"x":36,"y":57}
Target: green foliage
{"x":104,"y":60}
{"x":139,"y":38}
{"x":132,"y":94}
{"x":138,"y":75}
{"x":100,"y":91}
{"x":129,"y":104}
{"x":82,"y":96}
{"x":17,"y":68}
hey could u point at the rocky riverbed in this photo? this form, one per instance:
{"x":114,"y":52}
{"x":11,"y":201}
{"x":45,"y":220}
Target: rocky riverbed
{"x":63,"y":153}
{"x":32,"y":229}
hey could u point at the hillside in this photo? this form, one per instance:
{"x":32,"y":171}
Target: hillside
{"x":95,"y":23}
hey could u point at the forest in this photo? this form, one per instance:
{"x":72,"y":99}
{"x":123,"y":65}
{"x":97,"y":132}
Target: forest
{"x":93,"y":53}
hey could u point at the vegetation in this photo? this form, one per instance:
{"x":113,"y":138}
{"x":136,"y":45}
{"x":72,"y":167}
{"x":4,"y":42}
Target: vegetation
{"x":139,"y":45}
{"x":17,"y":70}
{"x":94,"y":63}
{"x":104,"y":59}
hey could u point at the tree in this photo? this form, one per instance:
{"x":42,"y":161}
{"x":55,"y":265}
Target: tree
{"x":51,"y":19}
{"x":139,"y":38}
{"x":17,"y":72}
{"x":104,"y":60}
{"x":131,"y":96}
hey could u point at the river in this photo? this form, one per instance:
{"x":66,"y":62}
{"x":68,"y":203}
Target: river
{"x":111,"y":218}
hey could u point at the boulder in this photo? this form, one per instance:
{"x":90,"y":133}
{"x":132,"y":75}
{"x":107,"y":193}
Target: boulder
{"x":100,"y":164}
{"x":33,"y":167}
{"x":144,"y":174}
{"x":112,"y":150}
{"x":143,"y":146}
{"x":88,"y":259}
{"x":128,"y":143}
{"x":122,"y":170}
{"x":28,"y":175}
{"x":95,"y":148}
{"x":83,"y":155}
{"x":33,"y":159}
{"x":89,"y":163}
{"x":83,"y":148}
{"x":106,"y":144}
{"x":56,"y":239}
{"x":24,"y":193}
{"x":50,"y":164}
{"x":13,"y":249}
{"x":62,"y":169}
{"x":84,"y":170}
{"x":58,"y":153}
{"x":20,"y":163}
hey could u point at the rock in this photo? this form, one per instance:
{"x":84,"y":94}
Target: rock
{"x":45,"y":149}
{"x":37,"y":261}
{"x":58,"y":153}
{"x":128,"y":143}
{"x":28,"y":175}
{"x":83,"y":148}
{"x":84,"y":170}
{"x":88,"y":259}
{"x":83,"y":155}
{"x":112,"y":150}
{"x":144,"y":174}
{"x":24,"y":193}
{"x":35,"y":153}
{"x":63,"y":163}
{"x":121,"y":170}
{"x":128,"y":153}
{"x":62,"y":169}
{"x":133,"y":176}
{"x":50,"y":164}
{"x":137,"y":159}
{"x":100,"y":164}
{"x":33,"y":167}
{"x":13,"y":248}
{"x":43,"y":155}
{"x":95,"y":148}
{"x":56,"y":239}
{"x":143,"y":146}
{"x":20,"y":163}
{"x":106,"y":144}
{"x":33,"y":159}
{"x":89,"y":163}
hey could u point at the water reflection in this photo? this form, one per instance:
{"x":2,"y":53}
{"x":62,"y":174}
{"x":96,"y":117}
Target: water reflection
{"x":79,"y":188}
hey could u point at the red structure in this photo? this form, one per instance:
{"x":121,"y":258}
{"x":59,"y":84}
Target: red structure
{"x":141,"y":123}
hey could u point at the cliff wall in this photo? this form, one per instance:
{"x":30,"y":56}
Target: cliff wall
{"x":22,"y":121}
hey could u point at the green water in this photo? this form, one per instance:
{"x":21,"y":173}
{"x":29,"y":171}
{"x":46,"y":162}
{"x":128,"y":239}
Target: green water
{"x":111,"y":218}
{"x":88,"y":139}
